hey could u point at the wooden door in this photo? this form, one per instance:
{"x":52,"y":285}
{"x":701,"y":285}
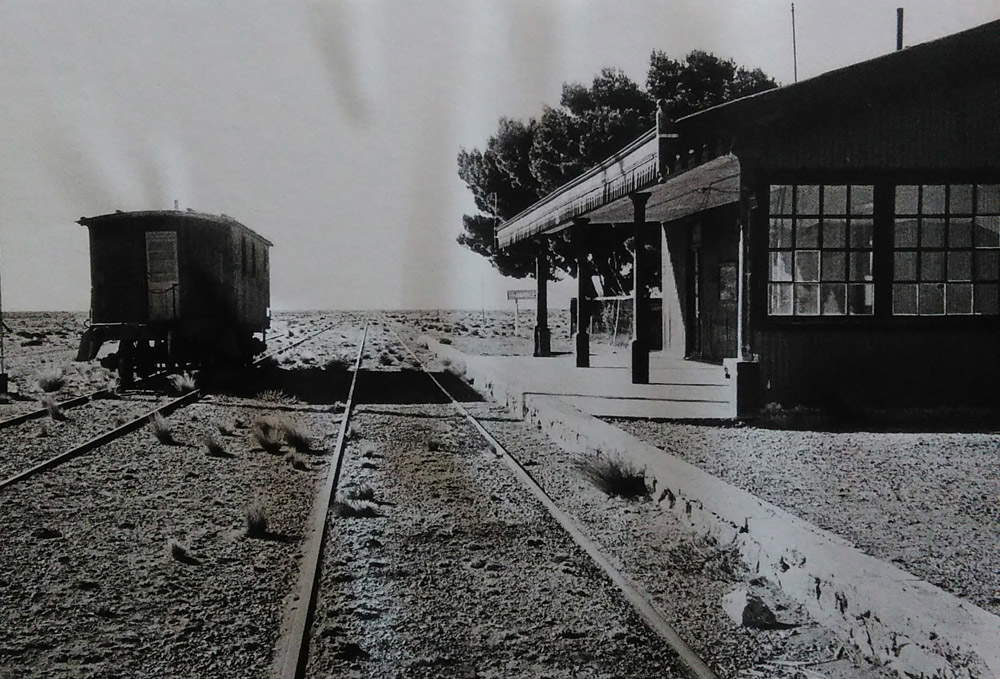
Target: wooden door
{"x":162,"y":279}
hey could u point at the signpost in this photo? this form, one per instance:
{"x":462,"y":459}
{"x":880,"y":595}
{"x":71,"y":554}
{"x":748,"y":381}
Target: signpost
{"x":519,"y":295}
{"x":3,"y":363}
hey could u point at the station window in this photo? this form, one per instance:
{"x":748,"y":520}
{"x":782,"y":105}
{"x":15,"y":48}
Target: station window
{"x":820,"y":250}
{"x":946,"y":258}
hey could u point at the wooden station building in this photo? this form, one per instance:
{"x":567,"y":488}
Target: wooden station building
{"x":832,"y":241}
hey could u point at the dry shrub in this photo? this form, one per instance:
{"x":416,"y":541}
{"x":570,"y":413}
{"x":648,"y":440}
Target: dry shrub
{"x":277,"y":396}
{"x":256,"y":522}
{"x":226,"y":428}
{"x":363,"y":493}
{"x":298,"y":462}
{"x":181,"y":553}
{"x":613,"y":477}
{"x":52,"y":407}
{"x":161,"y":429}
{"x":267,"y":434}
{"x":52,"y":380}
{"x":214,"y":446}
{"x":183,"y":383}
{"x":296,"y":436}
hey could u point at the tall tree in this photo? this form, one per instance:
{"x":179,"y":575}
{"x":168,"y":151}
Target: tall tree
{"x":524,"y":161}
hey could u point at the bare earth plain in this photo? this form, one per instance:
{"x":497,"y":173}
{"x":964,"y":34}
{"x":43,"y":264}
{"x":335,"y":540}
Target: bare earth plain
{"x":134,"y":560}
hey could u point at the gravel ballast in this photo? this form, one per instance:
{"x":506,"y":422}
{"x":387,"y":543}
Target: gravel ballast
{"x":462,"y":573}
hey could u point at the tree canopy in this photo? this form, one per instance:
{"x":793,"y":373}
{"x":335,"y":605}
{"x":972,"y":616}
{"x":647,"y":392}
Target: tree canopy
{"x":525,"y":160}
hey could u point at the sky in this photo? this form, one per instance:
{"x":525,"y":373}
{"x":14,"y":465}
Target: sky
{"x":332,"y":128}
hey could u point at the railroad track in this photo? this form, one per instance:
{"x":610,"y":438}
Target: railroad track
{"x":124,"y":428}
{"x":293,"y":653}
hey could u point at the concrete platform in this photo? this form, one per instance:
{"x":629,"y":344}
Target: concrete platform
{"x":891,"y":616}
{"x":678,"y":389}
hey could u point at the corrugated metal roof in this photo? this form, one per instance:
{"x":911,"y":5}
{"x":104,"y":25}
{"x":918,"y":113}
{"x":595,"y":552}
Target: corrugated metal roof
{"x":188,"y":214}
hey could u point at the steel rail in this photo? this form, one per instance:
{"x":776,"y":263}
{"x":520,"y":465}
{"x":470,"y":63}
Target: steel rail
{"x":134,"y":424}
{"x":293,"y":648}
{"x":637,"y":596}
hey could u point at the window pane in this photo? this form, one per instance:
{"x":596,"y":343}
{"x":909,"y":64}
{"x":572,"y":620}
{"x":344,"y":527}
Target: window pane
{"x":906,"y":233}
{"x":932,"y":233}
{"x":904,"y":298}
{"x":987,"y":265}
{"x":930,"y":298}
{"x":988,"y":199}
{"x":781,"y":200}
{"x":780,"y":233}
{"x":960,"y":199}
{"x":781,"y":266}
{"x":834,"y":234}
{"x":807,"y":299}
{"x":987,"y":298}
{"x":807,"y":265}
{"x":905,"y":266}
{"x":960,"y":266}
{"x":835,"y":200}
{"x":833,"y":299}
{"x":781,"y":299}
{"x":932,"y":266}
{"x":808,"y":200}
{"x":958,"y":299}
{"x":834,"y":266}
{"x":862,"y":200}
{"x":960,"y":232}
{"x":933,"y":200}
{"x":906,"y":200}
{"x":861,"y":233}
{"x":806,"y":234}
{"x":986,"y":232}
{"x":860,"y":299}
{"x":861,"y":266}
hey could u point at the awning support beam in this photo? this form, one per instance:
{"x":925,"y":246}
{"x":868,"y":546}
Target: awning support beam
{"x":640,"y":282}
{"x":543,"y":338}
{"x":582,"y":338}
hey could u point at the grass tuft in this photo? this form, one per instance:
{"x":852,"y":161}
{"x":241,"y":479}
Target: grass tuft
{"x":214,"y":446}
{"x":226,"y":428}
{"x":256,"y":522}
{"x":613,"y":477}
{"x":181,"y":553}
{"x":52,"y":407}
{"x":161,"y":429}
{"x":51,"y":380}
{"x":296,"y":436}
{"x":277,"y":396}
{"x":349,"y":510}
{"x":267,"y":435}
{"x":183,"y":383}
{"x":364,"y":493}
{"x":298,"y":462}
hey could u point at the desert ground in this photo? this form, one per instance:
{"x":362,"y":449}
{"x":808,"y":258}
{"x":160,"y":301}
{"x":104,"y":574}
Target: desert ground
{"x":174,"y":549}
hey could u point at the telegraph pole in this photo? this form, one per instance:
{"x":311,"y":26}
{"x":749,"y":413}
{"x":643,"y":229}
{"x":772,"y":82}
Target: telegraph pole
{"x":795,"y":52}
{"x":3,"y":357}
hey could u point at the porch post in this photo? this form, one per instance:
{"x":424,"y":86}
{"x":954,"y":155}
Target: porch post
{"x":582,"y":337}
{"x":640,"y":279}
{"x":543,"y":339}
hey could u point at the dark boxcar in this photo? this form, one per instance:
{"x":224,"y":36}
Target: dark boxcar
{"x":176,"y":288}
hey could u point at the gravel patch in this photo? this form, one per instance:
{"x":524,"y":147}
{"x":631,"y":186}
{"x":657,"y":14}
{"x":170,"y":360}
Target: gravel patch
{"x":925,"y":501}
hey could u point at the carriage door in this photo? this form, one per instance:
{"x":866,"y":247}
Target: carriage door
{"x":161,"y":275}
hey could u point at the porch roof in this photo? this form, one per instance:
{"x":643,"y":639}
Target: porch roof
{"x":712,"y":184}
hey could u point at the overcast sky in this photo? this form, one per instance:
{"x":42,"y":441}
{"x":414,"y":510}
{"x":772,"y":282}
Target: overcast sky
{"x":332,"y":127}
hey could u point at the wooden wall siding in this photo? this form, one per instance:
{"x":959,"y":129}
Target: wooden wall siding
{"x":675,"y":244}
{"x":950,"y":129}
{"x":879,"y":368}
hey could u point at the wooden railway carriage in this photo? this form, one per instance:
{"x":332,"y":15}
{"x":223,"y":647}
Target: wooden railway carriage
{"x":176,"y":288}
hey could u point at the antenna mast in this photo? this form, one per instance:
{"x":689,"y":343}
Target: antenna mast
{"x":795,"y":52}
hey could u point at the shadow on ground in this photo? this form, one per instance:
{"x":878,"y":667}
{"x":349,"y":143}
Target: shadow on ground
{"x":404,"y":387}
